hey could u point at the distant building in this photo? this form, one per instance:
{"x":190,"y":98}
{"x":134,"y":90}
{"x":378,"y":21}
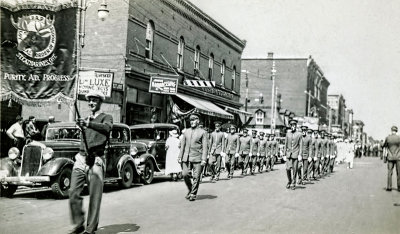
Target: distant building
{"x":358,"y":130}
{"x":337,"y":105}
{"x":348,"y":123}
{"x":301,"y":89}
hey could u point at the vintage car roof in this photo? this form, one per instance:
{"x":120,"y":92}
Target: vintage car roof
{"x":73,"y":124}
{"x":153,"y":125}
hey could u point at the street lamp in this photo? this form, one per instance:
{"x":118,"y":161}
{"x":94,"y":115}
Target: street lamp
{"x":102,"y":14}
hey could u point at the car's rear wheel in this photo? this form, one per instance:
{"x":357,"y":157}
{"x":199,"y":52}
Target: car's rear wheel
{"x":126,"y":176}
{"x":61,"y":183}
{"x":7,"y":190}
{"x":148,"y":172}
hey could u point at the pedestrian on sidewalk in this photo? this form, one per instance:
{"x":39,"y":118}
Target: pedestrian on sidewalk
{"x":193,"y":155}
{"x":293,"y":151}
{"x":16,"y":133}
{"x":172,"y":147}
{"x":89,"y":166}
{"x":392,"y":157}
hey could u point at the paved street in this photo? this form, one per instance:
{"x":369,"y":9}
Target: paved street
{"x":349,"y":201}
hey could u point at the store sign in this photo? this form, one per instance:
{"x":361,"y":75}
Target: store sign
{"x":93,"y":80}
{"x":164,"y":85}
{"x":217,"y":92}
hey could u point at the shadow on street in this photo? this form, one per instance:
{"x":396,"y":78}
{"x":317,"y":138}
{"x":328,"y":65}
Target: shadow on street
{"x":118,"y":228}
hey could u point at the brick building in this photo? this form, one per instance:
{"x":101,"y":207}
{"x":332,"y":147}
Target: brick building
{"x":174,"y":38}
{"x":337,"y":105}
{"x":301,"y":88}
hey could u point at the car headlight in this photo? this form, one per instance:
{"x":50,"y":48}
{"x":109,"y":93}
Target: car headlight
{"x":134,"y":151}
{"x":48,"y":153}
{"x":13,"y":153}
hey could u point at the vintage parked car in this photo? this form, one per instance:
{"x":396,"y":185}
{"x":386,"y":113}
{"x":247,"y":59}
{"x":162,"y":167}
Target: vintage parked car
{"x":148,"y":146}
{"x":49,"y":162}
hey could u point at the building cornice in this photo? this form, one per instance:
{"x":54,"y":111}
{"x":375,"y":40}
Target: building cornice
{"x":199,"y":18}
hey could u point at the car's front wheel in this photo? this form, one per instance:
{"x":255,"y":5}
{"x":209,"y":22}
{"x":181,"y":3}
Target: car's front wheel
{"x":126,"y":176}
{"x":61,"y":183}
{"x":148,"y":172}
{"x":7,"y":190}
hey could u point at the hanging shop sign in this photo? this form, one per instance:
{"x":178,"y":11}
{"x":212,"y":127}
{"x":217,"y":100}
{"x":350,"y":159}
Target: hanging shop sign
{"x":93,"y":80}
{"x":163,"y":85}
{"x":38,"y":59}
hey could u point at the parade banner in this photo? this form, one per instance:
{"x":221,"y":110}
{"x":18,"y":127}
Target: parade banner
{"x":38,"y":55}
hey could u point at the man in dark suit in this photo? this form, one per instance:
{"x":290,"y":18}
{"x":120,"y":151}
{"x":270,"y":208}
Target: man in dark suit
{"x":216,"y":143}
{"x":230,"y":150}
{"x":193,"y":155}
{"x":392,"y":157}
{"x":324,"y":152}
{"x":293,"y":153}
{"x":244,"y":150}
{"x":305,"y":154}
{"x":313,"y":153}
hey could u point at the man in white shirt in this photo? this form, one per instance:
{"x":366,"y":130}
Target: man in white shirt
{"x":16,"y":133}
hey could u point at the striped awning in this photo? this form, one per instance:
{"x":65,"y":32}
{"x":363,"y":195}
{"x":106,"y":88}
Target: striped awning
{"x":205,"y":107}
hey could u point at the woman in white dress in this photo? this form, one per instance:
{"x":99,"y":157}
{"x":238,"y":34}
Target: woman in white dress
{"x":172,"y":165}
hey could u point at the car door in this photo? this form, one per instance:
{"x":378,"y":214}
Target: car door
{"x":117,"y":147}
{"x":162,"y":134}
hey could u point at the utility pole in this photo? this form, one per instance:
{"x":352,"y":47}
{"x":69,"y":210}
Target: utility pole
{"x":247,"y":95}
{"x":273,"y":71}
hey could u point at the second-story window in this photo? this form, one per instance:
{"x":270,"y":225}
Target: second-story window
{"x":223,"y":73}
{"x":210,"y":67}
{"x":149,"y":40}
{"x":181,"y":49}
{"x":259,"y":117}
{"x":233,"y":83}
{"x":197,"y":58}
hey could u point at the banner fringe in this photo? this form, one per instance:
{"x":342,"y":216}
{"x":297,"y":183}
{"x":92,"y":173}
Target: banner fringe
{"x":58,"y":98}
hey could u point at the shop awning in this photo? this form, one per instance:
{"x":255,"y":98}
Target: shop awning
{"x":237,"y":111}
{"x":205,"y":107}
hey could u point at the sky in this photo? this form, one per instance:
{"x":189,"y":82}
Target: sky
{"x":355,"y":43}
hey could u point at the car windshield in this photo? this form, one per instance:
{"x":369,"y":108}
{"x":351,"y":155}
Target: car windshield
{"x":62,"y":133}
{"x":143,"y":133}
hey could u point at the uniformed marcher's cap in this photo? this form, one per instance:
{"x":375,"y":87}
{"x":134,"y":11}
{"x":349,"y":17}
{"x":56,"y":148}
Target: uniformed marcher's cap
{"x":245,"y":130}
{"x":31,"y":117}
{"x":262,"y":133}
{"x":272,"y":134}
{"x":309,"y":130}
{"x":232,"y":126}
{"x":292,"y":121}
{"x":254,"y":131}
{"x":217,"y":123}
{"x":95,"y":93}
{"x":304,"y":127}
{"x":316,"y":131}
{"x":194,"y":116}
{"x":394,"y":128}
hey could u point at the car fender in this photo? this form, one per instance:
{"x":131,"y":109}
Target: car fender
{"x":128,"y":159}
{"x":145,"y":157}
{"x":54,"y":166}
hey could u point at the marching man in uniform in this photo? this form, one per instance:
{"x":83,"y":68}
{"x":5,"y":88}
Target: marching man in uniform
{"x":193,"y":155}
{"x":216,"y":143}
{"x":254,"y":152}
{"x":306,"y":154}
{"x":230,"y":150}
{"x":313,"y":153}
{"x":274,"y":150}
{"x":268,"y":152}
{"x":333,"y":154}
{"x":244,"y":150}
{"x":293,"y":153}
{"x":263,"y":150}
{"x":323,"y":149}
